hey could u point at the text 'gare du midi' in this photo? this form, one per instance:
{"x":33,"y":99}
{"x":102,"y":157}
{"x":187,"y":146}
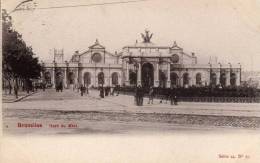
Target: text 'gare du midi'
{"x":143,"y":63}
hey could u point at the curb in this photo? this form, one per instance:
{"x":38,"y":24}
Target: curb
{"x":19,"y":99}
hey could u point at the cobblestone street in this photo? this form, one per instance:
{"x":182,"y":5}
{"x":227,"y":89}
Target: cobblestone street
{"x":70,"y":113}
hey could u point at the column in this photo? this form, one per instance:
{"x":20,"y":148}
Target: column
{"x":53,"y":77}
{"x":156,"y":76}
{"x":76,"y":80}
{"x":192,"y":78}
{"x":238,"y":79}
{"x":168,"y":75}
{"x":218,"y":78}
{"x":65,"y":78}
{"x":127,"y":74}
{"x":139,"y":77}
{"x":228,"y":78}
{"x":181,"y":79}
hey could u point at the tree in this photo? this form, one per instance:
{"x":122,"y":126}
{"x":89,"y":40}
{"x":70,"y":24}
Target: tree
{"x":19,"y":61}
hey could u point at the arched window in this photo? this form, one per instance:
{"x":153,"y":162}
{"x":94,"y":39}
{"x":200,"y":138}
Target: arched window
{"x":132,"y":77}
{"x":114,"y":78}
{"x":185,"y":79}
{"x":71,"y":77}
{"x":174,"y":79}
{"x":59,"y":78}
{"x":87,"y":78}
{"x":101,"y":79}
{"x":213,"y":79}
{"x":47,"y":77}
{"x":233,"y":78}
{"x":223,"y":79}
{"x":162,"y":79}
{"x":198,"y":79}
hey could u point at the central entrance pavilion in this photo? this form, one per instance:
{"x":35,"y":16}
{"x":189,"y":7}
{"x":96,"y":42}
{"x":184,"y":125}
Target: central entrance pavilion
{"x":149,"y":65}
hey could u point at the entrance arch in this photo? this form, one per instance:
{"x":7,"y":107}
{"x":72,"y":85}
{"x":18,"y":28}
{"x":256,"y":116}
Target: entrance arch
{"x":87,"y":79}
{"x":59,"y":79}
{"x":198,"y":79}
{"x":147,"y":75}
{"x":71,"y":78}
{"x":47,"y":77}
{"x":132,"y":77}
{"x":114,"y":78}
{"x":233,"y":78}
{"x":223,"y":79}
{"x":101,"y":78}
{"x":174,"y":79}
{"x":186,"y":80}
{"x":213,"y":79}
{"x":162,"y":79}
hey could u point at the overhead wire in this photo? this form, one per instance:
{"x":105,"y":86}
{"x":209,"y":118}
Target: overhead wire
{"x":85,"y":5}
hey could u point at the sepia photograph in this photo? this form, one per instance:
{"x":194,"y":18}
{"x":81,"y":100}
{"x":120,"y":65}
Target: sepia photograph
{"x":157,"y":70}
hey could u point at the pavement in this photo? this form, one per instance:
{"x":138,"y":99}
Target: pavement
{"x":10,"y":98}
{"x":72,"y":101}
{"x":119,"y":114}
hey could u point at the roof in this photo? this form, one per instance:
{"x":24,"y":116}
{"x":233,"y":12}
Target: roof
{"x":175,"y":46}
{"x":97,"y":45}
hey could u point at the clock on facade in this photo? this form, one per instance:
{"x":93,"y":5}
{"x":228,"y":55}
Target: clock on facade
{"x":96,"y":57}
{"x":175,"y":58}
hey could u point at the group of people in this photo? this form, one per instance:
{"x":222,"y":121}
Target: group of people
{"x":140,"y":92}
{"x":106,"y":91}
{"x":59,"y":87}
{"x":103,"y":91}
{"x":83,"y":90}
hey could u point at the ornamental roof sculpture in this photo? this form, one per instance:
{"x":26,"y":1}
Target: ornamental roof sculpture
{"x":146,"y":37}
{"x":97,"y":45}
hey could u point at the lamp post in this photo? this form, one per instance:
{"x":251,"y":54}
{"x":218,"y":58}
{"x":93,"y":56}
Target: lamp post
{"x":220,"y":68}
{"x":66,"y":74}
{"x":210,"y":73}
{"x":240,"y":69}
{"x":136,"y":68}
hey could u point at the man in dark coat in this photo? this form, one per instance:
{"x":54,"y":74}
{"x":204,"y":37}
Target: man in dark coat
{"x":101,"y":92}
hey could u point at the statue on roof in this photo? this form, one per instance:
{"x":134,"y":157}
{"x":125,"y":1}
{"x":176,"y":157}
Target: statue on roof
{"x":146,"y":37}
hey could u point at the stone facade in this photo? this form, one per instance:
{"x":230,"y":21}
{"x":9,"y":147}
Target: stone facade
{"x":144,"y":63}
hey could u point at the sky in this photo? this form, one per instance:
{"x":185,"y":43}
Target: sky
{"x":226,"y":29}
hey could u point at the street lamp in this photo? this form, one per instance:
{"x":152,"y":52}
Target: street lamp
{"x":220,"y":69}
{"x":210,"y":73}
{"x":136,"y":68}
{"x":240,"y":69}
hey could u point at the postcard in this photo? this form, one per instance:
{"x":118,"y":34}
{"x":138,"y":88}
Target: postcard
{"x":130,"y":81}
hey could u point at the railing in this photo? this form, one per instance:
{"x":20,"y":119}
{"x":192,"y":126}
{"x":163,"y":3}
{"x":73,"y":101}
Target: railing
{"x":203,"y":99}
{"x":221,"y":99}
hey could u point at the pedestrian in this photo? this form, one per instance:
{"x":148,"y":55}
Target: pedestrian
{"x":172,"y":95}
{"x":43,"y":86}
{"x":101,"y":92}
{"x":175,"y":100}
{"x":112,"y":91}
{"x":86,"y":90}
{"x":140,"y":95}
{"x":137,"y":95}
{"x":81,"y":90}
{"x":106,"y":91}
{"x":151,"y":95}
{"x":61,"y":87}
{"x":16,"y":90}
{"x":117,"y":88}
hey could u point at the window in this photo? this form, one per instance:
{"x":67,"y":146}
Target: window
{"x":96,"y":57}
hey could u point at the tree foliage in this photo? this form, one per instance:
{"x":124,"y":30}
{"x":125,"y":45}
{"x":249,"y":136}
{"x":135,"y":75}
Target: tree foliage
{"x":18,"y":60}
